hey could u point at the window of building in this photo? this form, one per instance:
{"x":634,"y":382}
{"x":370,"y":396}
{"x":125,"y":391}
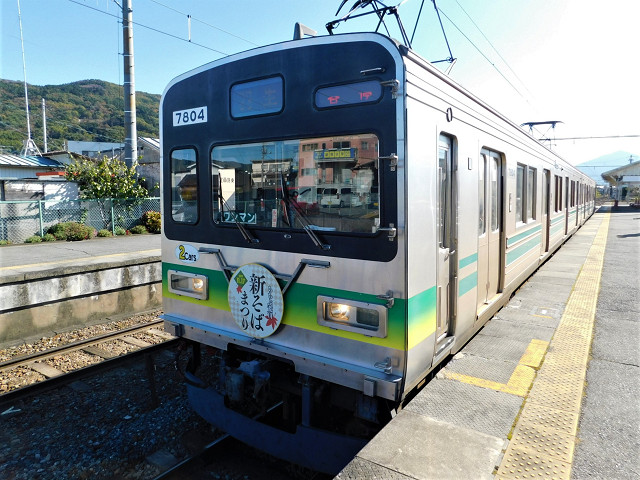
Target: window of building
{"x":309,"y":147}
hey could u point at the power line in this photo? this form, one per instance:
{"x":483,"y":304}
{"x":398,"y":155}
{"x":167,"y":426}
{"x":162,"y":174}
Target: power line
{"x":485,"y":57}
{"x":592,"y":137}
{"x":203,"y":22}
{"x":494,"y":48}
{"x":150,"y":28}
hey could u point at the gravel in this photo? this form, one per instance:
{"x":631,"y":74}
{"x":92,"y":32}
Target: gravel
{"x":65,"y":338}
{"x":103,"y":427}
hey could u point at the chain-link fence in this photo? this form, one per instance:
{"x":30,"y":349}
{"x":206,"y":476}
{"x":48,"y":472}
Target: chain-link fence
{"x":21,"y":219}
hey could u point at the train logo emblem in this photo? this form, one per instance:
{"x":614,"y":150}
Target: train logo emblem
{"x":255,"y":300}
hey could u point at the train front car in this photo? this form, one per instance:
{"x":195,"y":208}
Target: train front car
{"x":283,"y":242}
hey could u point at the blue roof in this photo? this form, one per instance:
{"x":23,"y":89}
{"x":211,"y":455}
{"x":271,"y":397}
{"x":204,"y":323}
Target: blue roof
{"x":8,"y":159}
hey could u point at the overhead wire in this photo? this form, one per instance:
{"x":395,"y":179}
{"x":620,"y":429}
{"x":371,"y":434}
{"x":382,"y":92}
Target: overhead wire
{"x":150,"y":28}
{"x":494,"y":49}
{"x":484,"y":56}
{"x":204,"y":23}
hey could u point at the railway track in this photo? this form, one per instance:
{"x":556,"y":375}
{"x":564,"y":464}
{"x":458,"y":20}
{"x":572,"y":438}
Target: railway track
{"x":226,"y":457}
{"x":101,"y":359}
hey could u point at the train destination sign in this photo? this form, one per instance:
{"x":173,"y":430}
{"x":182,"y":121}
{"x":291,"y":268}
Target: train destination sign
{"x":258,"y":97}
{"x":351,"y":94}
{"x":255,"y":300}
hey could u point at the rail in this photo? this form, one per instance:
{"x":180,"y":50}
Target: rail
{"x":106,"y":363}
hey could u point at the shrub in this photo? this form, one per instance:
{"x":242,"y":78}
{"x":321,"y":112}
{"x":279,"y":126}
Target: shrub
{"x":33,"y":239}
{"x":105,"y":233}
{"x":5,"y":242}
{"x":48,"y":238}
{"x":139,"y":229}
{"x":59,"y":230}
{"x":73,"y":231}
{"x":78,"y":231}
{"x":152,"y":221}
{"x":120,"y":231}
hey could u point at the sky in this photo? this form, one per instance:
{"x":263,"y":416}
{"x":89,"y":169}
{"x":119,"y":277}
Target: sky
{"x":576,"y":61}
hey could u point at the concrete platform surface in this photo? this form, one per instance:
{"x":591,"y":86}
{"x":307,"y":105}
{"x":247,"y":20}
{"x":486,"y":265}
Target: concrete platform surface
{"x":40,"y":260}
{"x":549,"y":388}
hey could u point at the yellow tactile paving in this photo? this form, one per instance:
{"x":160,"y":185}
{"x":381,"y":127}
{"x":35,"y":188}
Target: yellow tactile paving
{"x":534,"y":353}
{"x":521,"y":378}
{"x":543,"y":441}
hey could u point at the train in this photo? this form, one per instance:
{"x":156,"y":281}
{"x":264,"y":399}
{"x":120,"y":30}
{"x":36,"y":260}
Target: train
{"x":338,"y":217}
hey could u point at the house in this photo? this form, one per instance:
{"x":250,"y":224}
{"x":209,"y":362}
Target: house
{"x":624,"y":179}
{"x":24,"y":178}
{"x":149,"y":163}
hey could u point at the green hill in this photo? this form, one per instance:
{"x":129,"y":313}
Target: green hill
{"x":91,"y":110}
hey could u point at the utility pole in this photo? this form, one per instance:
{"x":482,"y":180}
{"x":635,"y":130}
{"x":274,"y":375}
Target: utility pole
{"x":130,"y":129}
{"x":44,"y":125}
{"x":29,"y":146}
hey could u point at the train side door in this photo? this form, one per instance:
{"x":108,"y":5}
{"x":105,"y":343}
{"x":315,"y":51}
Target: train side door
{"x":446,"y":233}
{"x":546,"y":202}
{"x":490,"y":227}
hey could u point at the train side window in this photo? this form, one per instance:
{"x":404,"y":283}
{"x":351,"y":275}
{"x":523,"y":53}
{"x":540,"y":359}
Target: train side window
{"x":482,"y":196}
{"x":531,"y":193}
{"x":558,"y":199}
{"x":495,"y":193}
{"x":520,"y":193}
{"x":184,"y":186}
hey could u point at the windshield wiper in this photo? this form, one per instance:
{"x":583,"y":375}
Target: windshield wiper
{"x":243,"y":230}
{"x":290,"y":203}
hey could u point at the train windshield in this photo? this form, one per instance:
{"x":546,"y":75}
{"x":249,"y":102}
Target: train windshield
{"x":324,"y":184}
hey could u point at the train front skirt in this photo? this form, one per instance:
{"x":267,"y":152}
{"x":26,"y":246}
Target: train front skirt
{"x":316,"y":449}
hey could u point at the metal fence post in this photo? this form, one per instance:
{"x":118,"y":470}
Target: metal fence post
{"x":113,"y":219}
{"x":40,"y":202}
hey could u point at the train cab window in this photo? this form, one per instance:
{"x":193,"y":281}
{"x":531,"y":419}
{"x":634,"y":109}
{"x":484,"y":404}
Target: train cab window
{"x":184,"y":186}
{"x":287,"y":185}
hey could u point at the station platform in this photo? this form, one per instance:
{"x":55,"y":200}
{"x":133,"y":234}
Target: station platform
{"x":549,"y":388}
{"x":46,"y":288}
{"x":30,"y":261}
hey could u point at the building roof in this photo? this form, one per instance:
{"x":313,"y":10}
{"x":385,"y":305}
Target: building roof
{"x":151,"y":142}
{"x":626,"y":173}
{"x":8,"y":159}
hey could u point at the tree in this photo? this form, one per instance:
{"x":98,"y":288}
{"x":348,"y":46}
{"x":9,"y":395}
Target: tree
{"x":103,"y":180}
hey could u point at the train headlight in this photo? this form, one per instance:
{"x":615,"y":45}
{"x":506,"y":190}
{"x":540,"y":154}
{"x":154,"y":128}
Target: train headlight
{"x":339,"y":312}
{"x":188,"y":284}
{"x":353,"y":316}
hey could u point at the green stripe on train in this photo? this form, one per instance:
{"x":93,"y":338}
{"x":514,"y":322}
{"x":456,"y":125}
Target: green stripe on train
{"x":522,"y":235}
{"x":301,"y":308}
{"x":467,"y":283}
{"x":523,"y":249}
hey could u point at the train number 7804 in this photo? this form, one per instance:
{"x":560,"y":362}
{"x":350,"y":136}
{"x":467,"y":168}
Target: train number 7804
{"x":190,"y":116}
